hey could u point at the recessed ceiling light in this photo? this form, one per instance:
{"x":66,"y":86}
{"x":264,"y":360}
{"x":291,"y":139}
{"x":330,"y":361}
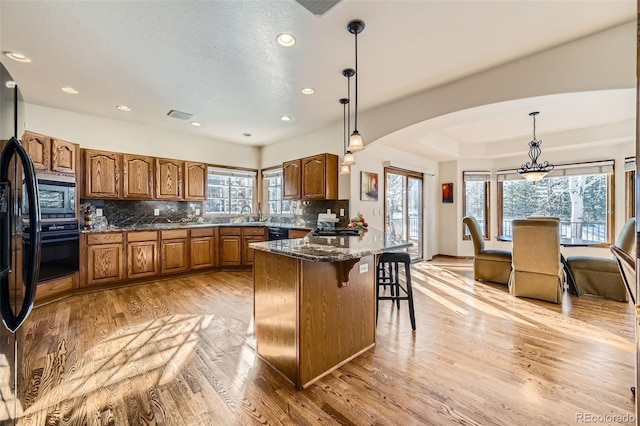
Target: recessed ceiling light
{"x":285,"y":118}
{"x":308,"y":91}
{"x":286,"y":40}
{"x":195,"y":123}
{"x":248,"y":135}
{"x":69,"y":90}
{"x":10,"y":84}
{"x":16,"y":56}
{"x":123,"y":108}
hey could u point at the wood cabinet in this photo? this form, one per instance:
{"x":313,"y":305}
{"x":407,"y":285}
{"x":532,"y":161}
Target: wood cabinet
{"x":142,"y":254}
{"x":291,"y":180}
{"x":169,"y":184}
{"x":39,"y":149}
{"x":195,"y":181}
{"x":101,"y":174}
{"x":104,"y":258}
{"x":63,"y":156}
{"x":230,"y":246}
{"x":202,"y":248}
{"x":298,"y":233}
{"x":175,"y":251}
{"x":137,"y":177}
{"x":251,"y":235}
{"x":311,"y":178}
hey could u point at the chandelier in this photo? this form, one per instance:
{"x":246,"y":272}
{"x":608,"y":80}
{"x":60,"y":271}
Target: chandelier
{"x":532,"y":170}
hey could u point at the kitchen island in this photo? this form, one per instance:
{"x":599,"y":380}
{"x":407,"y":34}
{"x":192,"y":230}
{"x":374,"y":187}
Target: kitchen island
{"x":315,"y":302}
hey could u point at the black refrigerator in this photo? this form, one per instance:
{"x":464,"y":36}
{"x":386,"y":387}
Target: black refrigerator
{"x":19,"y":252}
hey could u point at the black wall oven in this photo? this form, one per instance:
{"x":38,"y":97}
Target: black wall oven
{"x":60,"y":253}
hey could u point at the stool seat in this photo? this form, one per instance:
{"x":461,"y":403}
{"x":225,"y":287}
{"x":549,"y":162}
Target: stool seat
{"x":387,"y":274}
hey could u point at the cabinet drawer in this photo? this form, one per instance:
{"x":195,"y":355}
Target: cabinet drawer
{"x":201,"y":232}
{"x":174,"y":234}
{"x":230,"y":230}
{"x":142,"y":236}
{"x":104,"y":238}
{"x":253,"y":230}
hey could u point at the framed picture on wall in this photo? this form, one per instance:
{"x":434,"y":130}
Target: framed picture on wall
{"x":368,"y":186}
{"x":447,"y":192}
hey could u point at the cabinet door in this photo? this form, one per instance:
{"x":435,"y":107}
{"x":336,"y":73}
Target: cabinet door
{"x":104,"y":263}
{"x":169,"y":183}
{"x":248,"y":253}
{"x":63,"y":156}
{"x":313,"y":171}
{"x":175,"y":256}
{"x":137,"y":172}
{"x":195,"y":181}
{"x":230,"y":250}
{"x":142,"y":259}
{"x":101,"y":174}
{"x":39,"y":148}
{"x":202,"y":252}
{"x":291,"y":180}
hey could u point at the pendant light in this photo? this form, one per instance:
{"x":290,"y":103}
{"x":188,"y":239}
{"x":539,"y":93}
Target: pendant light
{"x":531,"y":170}
{"x":355,"y":27}
{"x":349,"y":158}
{"x":345,"y":169}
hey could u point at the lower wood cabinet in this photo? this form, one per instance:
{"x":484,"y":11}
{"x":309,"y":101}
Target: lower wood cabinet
{"x":251,"y":235}
{"x":230,"y":250}
{"x":142,"y":254}
{"x":105,"y":258}
{"x":175,"y":251}
{"x":202,"y":248}
{"x":298,"y":233}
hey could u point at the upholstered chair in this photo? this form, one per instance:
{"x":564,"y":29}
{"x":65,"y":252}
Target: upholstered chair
{"x":600,"y":276}
{"x":488,"y":265}
{"x":627,"y":266}
{"x":537,"y":268}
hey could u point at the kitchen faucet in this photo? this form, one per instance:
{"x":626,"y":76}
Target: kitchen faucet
{"x":246,"y":206}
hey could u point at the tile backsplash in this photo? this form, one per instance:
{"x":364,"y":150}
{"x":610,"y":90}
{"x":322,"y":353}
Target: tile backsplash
{"x":130,"y":213}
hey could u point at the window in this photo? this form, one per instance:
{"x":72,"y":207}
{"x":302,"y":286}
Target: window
{"x":230,"y":191}
{"x":476,"y":200}
{"x":579,"y":194}
{"x":630,"y":187}
{"x":272,"y":189}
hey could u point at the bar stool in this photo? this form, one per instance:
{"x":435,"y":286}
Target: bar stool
{"x":387,"y":274}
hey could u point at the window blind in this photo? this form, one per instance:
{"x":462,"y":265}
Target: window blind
{"x":480,"y":176}
{"x":232,"y":172}
{"x":630,"y":164}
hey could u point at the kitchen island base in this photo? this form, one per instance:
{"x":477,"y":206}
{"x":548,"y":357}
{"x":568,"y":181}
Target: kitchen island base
{"x":308,"y":320}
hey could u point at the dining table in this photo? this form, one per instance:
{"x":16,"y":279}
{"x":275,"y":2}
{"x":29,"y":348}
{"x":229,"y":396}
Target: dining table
{"x":564,"y":242}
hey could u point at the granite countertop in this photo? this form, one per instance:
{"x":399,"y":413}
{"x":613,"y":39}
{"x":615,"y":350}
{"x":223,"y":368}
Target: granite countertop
{"x":334,"y":249}
{"x":189,"y":225}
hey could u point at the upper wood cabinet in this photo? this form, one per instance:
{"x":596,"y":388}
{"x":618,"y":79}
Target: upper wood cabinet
{"x":101,"y":174}
{"x":291,"y":179}
{"x":137,"y":171}
{"x":39,"y":149}
{"x":169,"y":184}
{"x":311,"y":178}
{"x":49,"y":154}
{"x":195,"y":182}
{"x":63,"y":156}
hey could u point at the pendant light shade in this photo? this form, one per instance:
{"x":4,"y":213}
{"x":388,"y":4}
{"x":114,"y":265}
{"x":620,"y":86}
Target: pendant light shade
{"x":355,"y":142}
{"x":532,"y":170}
{"x":345,"y":170}
{"x":349,"y":159}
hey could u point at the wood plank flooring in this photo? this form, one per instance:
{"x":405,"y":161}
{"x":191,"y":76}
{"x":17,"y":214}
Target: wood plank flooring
{"x":181,"y":352}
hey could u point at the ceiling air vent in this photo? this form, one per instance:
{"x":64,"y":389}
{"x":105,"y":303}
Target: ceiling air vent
{"x":318,"y":7}
{"x":179,"y":115}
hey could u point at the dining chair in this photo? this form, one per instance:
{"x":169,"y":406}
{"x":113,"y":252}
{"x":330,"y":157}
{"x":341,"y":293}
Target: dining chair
{"x":600,"y":276}
{"x":488,"y":265}
{"x":538,"y":272}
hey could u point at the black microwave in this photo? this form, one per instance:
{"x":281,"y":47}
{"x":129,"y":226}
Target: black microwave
{"x":57,"y":199}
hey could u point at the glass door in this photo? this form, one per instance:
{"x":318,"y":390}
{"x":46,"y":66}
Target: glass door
{"x":403,"y":208}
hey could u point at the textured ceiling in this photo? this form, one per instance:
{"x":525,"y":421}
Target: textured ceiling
{"x":219,"y":60}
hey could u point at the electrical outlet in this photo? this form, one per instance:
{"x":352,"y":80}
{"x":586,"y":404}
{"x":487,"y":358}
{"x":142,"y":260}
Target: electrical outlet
{"x":98,"y":212}
{"x":341,"y":212}
{"x":156,"y":212}
{"x":364,"y":268}
{"x":197,"y":212}
{"x":328,"y":211}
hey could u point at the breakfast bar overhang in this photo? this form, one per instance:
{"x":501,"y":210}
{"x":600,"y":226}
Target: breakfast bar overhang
{"x":315,"y":302}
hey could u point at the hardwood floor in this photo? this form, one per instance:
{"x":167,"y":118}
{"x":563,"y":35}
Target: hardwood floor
{"x":181,"y":352}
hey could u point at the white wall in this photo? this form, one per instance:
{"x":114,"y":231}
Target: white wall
{"x":121,"y":136}
{"x":449,"y":214}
